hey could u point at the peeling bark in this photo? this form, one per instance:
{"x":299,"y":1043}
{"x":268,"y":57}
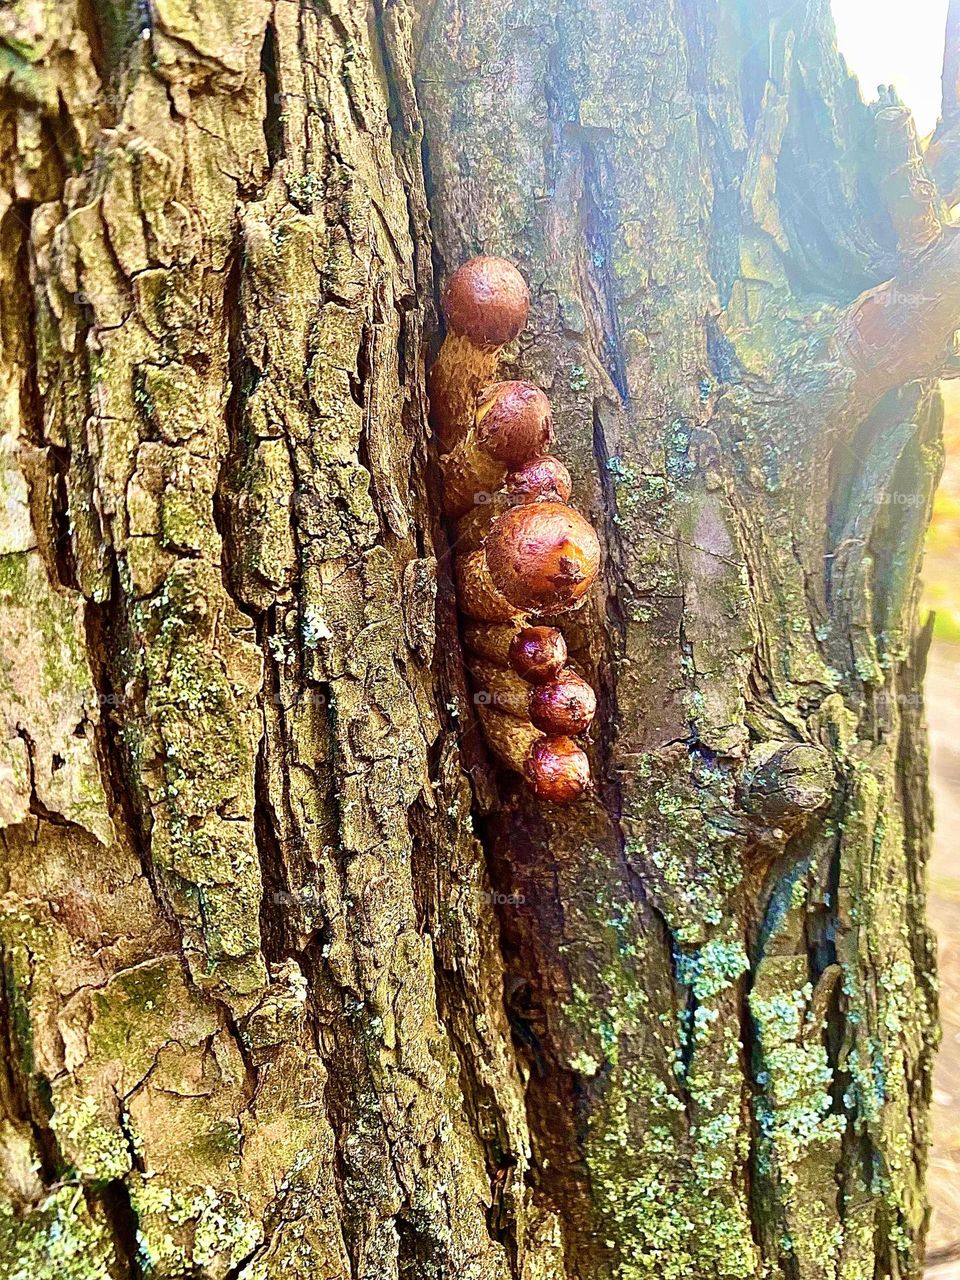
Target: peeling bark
{"x":295,"y":983}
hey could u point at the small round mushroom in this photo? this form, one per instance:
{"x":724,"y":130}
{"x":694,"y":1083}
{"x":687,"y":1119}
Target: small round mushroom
{"x":543,"y":557}
{"x":513,"y":422}
{"x":564,"y":706}
{"x":487,"y":301}
{"x":557,"y":770}
{"x":538,"y":654}
{"x":542,"y":479}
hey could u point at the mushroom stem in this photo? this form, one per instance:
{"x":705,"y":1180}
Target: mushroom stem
{"x":499,"y":687}
{"x":510,"y":739}
{"x":477,"y":595}
{"x":491,"y":640}
{"x":461,"y":369}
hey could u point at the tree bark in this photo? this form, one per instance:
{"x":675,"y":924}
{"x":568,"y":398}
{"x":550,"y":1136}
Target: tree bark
{"x":296,"y":983}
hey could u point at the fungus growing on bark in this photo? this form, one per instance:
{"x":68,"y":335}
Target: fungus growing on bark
{"x":557,"y":770}
{"x":513,"y":422}
{"x":564,"y":706}
{"x":490,"y":640}
{"x":538,"y":654}
{"x":485,"y":305}
{"x":520,"y":548}
{"x":542,"y":479}
{"x":543,"y":557}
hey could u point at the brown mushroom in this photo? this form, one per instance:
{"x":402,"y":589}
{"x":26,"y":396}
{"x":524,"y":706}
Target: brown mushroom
{"x":564,"y":706}
{"x":541,"y":479}
{"x":557,"y":770}
{"x":511,"y":425}
{"x":538,"y":654}
{"x":543,"y":557}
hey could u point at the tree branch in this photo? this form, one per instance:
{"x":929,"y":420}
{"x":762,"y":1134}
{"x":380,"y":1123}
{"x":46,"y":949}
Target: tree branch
{"x":943,"y":153}
{"x":900,"y":330}
{"x":911,"y":196}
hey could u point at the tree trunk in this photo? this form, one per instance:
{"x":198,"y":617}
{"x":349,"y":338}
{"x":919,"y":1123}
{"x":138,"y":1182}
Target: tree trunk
{"x":296,"y":983}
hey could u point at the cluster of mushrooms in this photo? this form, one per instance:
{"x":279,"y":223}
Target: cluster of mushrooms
{"x":523,"y":556}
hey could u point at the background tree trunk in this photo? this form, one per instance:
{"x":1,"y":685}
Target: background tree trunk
{"x":295,"y":984}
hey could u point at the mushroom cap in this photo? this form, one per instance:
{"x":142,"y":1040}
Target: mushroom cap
{"x":543,"y":557}
{"x":557,"y":770}
{"x":513,"y":421}
{"x":538,"y":654}
{"x":487,"y":301}
{"x":563,"y":706}
{"x":543,"y":479}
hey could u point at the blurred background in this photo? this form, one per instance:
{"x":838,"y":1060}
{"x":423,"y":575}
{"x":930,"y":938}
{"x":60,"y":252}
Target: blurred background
{"x":892,"y":42}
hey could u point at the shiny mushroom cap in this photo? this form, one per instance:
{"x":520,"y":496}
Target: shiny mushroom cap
{"x":538,"y":654}
{"x":563,"y":706}
{"x":557,"y":770}
{"x":513,"y":421}
{"x":543,"y":479}
{"x":487,"y":301}
{"x":543,"y":557}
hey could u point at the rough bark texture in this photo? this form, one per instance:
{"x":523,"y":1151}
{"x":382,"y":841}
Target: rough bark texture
{"x":295,"y":984}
